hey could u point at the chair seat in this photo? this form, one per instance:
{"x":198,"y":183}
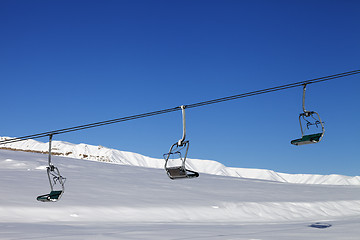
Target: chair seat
{"x":307,"y":139}
{"x":53,"y":196}
{"x":180,"y":172}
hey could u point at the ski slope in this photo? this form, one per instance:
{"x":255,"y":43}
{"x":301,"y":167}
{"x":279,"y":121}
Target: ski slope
{"x":117,"y":201}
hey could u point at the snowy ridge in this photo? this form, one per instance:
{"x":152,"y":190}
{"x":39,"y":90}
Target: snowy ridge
{"x":103,"y":154}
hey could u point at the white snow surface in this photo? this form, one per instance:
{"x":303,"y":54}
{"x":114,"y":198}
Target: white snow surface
{"x":107,"y":200}
{"x":100,"y":153}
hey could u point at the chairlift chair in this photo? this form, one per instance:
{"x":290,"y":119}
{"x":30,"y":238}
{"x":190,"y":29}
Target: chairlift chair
{"x":178,"y":152}
{"x":55,"y":179}
{"x":311,"y":118}
{"x":176,"y":172}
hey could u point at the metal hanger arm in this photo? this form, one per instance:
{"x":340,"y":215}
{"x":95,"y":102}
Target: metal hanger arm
{"x":303,"y":99}
{"x":49,"y":158}
{"x":180,"y":142}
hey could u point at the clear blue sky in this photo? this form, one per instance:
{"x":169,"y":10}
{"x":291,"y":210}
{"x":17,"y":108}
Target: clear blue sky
{"x":67,"y":63}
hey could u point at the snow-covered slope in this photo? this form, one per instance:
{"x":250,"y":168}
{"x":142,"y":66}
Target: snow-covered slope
{"x":103,"y":154}
{"x":116,"y":201}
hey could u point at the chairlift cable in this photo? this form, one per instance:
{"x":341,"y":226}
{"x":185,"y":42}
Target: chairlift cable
{"x":194,"y":105}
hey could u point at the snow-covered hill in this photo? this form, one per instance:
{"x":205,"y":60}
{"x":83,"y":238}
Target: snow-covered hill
{"x":115,"y":201}
{"x":103,"y":154}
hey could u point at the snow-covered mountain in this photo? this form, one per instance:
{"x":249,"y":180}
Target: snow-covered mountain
{"x":103,"y":154}
{"x":106,"y":201}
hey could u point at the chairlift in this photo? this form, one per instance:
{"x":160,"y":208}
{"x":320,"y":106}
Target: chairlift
{"x":178,"y":153}
{"x":55,"y":179}
{"x":311,"y":118}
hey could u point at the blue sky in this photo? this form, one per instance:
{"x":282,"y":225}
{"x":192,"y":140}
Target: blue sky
{"x":67,"y":63}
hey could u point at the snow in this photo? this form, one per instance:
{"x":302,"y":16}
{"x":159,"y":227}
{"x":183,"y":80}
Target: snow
{"x":115,"y":197}
{"x":100,"y":153}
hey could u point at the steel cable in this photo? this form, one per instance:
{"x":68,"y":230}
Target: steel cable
{"x":194,"y":105}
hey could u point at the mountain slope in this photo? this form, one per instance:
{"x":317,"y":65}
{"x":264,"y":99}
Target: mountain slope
{"x":113,"y":192}
{"x":103,"y":154}
{"x":116,"y":201}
